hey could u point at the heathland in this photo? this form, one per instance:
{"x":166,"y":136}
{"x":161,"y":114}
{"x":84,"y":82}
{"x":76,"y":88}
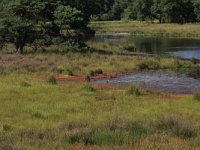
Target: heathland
{"x":38,"y":112}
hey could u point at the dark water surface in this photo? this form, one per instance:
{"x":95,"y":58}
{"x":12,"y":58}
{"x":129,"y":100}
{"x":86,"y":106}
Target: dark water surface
{"x":185,"y":48}
{"x":160,"y":80}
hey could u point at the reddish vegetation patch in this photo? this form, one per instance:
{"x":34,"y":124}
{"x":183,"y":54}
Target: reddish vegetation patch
{"x":75,"y":78}
{"x":81,"y":77}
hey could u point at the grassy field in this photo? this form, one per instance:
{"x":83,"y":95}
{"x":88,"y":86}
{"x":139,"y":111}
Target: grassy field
{"x":36,"y":114}
{"x":45,"y":114}
{"x":146,"y":29}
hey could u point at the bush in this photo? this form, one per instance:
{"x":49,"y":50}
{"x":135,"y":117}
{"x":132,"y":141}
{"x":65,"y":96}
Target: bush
{"x":52,"y":80}
{"x":133,"y":90}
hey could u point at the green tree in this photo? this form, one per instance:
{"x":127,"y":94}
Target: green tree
{"x":41,"y":22}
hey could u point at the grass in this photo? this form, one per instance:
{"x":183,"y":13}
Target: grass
{"x":52,"y":64}
{"x":148,"y":29}
{"x":36,"y":114}
{"x":45,"y":116}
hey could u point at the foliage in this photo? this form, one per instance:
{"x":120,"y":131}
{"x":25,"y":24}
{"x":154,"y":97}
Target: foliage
{"x":41,"y":23}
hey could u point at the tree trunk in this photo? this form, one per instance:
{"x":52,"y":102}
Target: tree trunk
{"x":160,"y":20}
{"x":21,"y":49}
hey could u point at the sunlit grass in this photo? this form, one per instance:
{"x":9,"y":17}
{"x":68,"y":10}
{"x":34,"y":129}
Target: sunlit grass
{"x":148,"y":29}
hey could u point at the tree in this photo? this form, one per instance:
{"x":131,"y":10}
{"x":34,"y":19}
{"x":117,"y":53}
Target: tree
{"x":196,"y":4}
{"x":139,"y":10}
{"x":157,"y":10}
{"x":41,"y":22}
{"x":14,"y":29}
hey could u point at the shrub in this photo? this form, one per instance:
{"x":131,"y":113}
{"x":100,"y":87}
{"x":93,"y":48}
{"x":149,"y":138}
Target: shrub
{"x":52,"y":80}
{"x":196,"y":96}
{"x":133,"y":90}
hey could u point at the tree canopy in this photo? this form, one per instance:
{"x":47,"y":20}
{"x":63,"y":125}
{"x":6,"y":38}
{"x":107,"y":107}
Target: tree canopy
{"x":42,"y":22}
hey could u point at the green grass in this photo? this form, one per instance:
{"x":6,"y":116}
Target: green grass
{"x":46,"y":116}
{"x":39,"y":64}
{"x":36,"y":114}
{"x":148,"y":29}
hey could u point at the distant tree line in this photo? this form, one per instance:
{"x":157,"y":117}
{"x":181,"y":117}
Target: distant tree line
{"x":172,"y":11}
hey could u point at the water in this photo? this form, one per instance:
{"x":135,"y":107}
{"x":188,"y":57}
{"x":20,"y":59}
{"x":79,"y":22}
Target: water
{"x":183,"y":82}
{"x":184,"y":48}
{"x":160,"y":80}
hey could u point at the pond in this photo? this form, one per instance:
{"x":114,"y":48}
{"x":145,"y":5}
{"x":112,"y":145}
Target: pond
{"x":160,"y":80}
{"x":179,"y":81}
{"x":184,"y":48}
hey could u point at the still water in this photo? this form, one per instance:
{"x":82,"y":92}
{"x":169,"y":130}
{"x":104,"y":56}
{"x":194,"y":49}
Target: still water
{"x":159,"y":80}
{"x":183,"y":82}
{"x":184,"y":48}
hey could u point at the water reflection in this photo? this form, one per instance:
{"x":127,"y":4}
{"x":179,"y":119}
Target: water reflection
{"x":185,"y":48}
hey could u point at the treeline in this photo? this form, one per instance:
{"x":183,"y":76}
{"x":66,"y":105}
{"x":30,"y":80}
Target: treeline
{"x":172,"y":11}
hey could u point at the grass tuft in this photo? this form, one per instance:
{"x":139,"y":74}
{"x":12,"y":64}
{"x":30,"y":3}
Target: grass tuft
{"x":52,"y":80}
{"x":133,"y":90}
